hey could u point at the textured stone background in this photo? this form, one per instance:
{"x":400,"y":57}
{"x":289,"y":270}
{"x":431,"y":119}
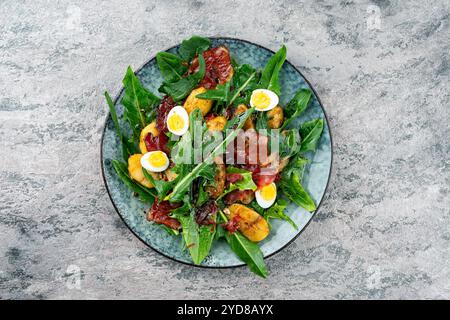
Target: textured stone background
{"x":382,"y":71}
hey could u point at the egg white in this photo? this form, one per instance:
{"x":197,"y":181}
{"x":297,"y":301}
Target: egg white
{"x":273,"y":99}
{"x":146,"y":164}
{"x":263,"y":203}
{"x":179,"y":110}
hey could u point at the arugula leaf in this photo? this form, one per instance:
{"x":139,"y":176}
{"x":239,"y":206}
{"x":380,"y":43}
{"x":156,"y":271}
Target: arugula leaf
{"x":180,"y":89}
{"x":128,"y":148}
{"x":310,"y":132}
{"x":182,"y":186}
{"x":194,"y":46}
{"x":137,"y":102}
{"x":144,"y":193}
{"x":270,"y":74}
{"x":296,"y":106}
{"x":198,"y":239}
{"x":249,"y":252}
{"x":293,"y":189}
{"x":290,"y":143}
{"x":171,"y":66}
{"x":277,"y":212}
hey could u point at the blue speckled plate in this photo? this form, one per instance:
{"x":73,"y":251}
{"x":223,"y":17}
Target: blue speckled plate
{"x":132,"y":211}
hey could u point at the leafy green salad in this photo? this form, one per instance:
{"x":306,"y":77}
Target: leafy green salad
{"x":214,"y":154}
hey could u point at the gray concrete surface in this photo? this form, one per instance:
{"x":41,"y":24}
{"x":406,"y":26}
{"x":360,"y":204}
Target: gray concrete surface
{"x":382,"y":71}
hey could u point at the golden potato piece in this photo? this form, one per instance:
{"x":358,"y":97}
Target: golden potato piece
{"x":275,"y":117}
{"x":135,"y":171}
{"x":170,"y":174}
{"x":192,"y":102}
{"x":251,"y":224}
{"x":214,"y":191}
{"x":249,"y":122}
{"x":217,"y":123}
{"x":151,"y":128}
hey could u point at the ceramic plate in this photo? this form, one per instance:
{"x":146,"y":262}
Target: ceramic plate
{"x":132,"y":211}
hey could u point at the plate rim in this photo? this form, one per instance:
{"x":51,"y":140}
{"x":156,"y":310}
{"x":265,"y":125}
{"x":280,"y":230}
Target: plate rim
{"x":108,"y":115}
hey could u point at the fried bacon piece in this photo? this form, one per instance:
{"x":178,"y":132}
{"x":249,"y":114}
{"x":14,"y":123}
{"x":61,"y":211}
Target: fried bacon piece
{"x":234,"y":177}
{"x":159,"y":213}
{"x":232,"y":225}
{"x":218,"y":68}
{"x":243,"y":196}
{"x":164,"y":108}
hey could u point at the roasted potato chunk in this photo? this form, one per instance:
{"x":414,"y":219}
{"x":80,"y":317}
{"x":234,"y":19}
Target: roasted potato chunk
{"x":275,"y":117}
{"x":170,"y":174}
{"x":215,"y":190}
{"x":249,"y":122}
{"x":251,"y":224}
{"x":217,"y":123}
{"x":135,"y":170}
{"x":192,"y":102}
{"x":151,"y":128}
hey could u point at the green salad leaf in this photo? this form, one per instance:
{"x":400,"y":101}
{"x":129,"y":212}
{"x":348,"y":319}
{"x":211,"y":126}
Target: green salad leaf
{"x":144,"y":193}
{"x":249,"y":252}
{"x":296,"y":106}
{"x":290,"y":143}
{"x":293,"y":189}
{"x":137,"y":102}
{"x":171,"y":66}
{"x":182,"y":88}
{"x":194,"y":46}
{"x":198,"y":238}
{"x":310,"y":132}
{"x":276,"y":211}
{"x":128,"y":148}
{"x":270,"y":74}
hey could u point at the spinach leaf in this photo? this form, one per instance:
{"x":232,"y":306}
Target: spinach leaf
{"x":198,"y":239}
{"x":310,"y":132}
{"x":199,"y":170}
{"x":289,"y":143}
{"x":270,"y":74}
{"x":180,"y":89}
{"x":277,"y":212}
{"x":249,"y":252}
{"x":171,"y":66}
{"x":293,"y":189}
{"x":137,"y":102}
{"x":128,"y":148}
{"x":144,"y":193}
{"x":296,"y":106}
{"x":194,"y":46}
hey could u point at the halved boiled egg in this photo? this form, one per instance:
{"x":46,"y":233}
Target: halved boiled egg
{"x":266,"y":195}
{"x":155,"y":161}
{"x":263,"y":99}
{"x":178,"y":120}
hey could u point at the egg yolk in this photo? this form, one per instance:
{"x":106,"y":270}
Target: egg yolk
{"x":157,"y":159}
{"x":268,"y":192}
{"x":261,"y":100}
{"x":175,"y":122}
